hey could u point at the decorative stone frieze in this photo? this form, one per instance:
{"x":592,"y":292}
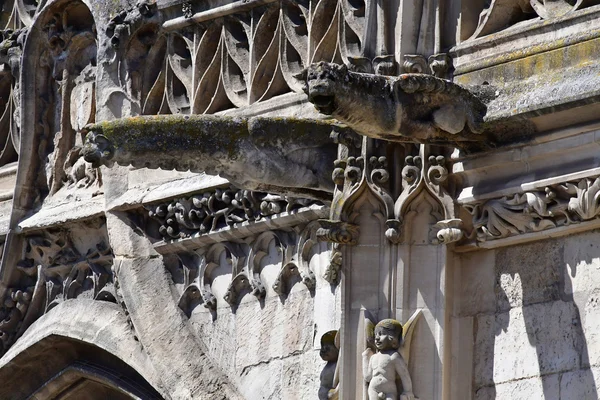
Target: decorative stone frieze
{"x":537,"y":210}
{"x":213,"y":210}
{"x":250,"y":54}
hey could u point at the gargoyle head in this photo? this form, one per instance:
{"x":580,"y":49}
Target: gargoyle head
{"x":320,"y":84}
{"x":97,"y":149}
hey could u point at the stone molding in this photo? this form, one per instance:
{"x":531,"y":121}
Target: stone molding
{"x":525,"y":40}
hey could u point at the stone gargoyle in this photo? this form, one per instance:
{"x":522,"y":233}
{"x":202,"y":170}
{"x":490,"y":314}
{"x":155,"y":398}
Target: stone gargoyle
{"x":279,"y":155}
{"x":414,"y":108}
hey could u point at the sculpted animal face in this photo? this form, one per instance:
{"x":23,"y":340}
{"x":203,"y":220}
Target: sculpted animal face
{"x":322,"y":80}
{"x":97,"y":149}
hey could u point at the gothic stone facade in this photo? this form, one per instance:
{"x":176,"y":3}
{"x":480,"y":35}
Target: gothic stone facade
{"x":300,"y":199}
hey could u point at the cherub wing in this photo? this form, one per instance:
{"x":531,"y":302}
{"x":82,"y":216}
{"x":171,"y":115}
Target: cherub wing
{"x":407,"y":334}
{"x":369,"y":329}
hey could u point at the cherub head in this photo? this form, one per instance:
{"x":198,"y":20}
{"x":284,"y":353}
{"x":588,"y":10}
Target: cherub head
{"x":388,"y":335}
{"x":329,"y":351}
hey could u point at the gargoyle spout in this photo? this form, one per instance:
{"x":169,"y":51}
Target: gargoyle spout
{"x":279,"y":155}
{"x":407,"y":108}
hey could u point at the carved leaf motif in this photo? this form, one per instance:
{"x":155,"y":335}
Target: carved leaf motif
{"x":8,"y":132}
{"x":294,"y":48}
{"x":508,"y":216}
{"x":210,"y":95}
{"x":587,"y":202}
{"x":325,"y":43}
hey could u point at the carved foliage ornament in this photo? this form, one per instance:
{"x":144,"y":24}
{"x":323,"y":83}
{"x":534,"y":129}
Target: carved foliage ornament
{"x":52,"y":271}
{"x":533,"y":211}
{"x":213,"y":210}
{"x":430,"y":178}
{"x":353,"y":176}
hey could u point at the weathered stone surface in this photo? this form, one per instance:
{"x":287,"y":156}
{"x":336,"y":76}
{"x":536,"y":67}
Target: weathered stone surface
{"x":477,"y":283}
{"x":528,"y":274}
{"x":517,"y":321}
{"x":521,"y":343}
{"x":410,"y":108}
{"x":259,"y":153}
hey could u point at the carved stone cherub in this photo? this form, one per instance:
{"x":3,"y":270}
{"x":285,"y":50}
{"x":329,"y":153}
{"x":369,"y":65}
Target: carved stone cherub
{"x":329,"y":352}
{"x":385,"y":368}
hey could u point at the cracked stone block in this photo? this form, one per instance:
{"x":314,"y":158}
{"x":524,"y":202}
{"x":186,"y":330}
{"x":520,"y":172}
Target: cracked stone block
{"x":583,"y":384}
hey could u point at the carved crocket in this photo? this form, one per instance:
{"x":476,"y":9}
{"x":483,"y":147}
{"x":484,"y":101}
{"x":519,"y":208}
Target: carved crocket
{"x":407,"y":108}
{"x":278,"y":155}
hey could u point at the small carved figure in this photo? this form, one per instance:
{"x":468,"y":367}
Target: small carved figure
{"x":385,"y":361}
{"x":329,"y":352}
{"x":79,"y":172}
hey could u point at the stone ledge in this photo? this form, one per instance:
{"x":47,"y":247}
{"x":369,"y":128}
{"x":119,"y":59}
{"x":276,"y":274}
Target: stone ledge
{"x":526,"y":39}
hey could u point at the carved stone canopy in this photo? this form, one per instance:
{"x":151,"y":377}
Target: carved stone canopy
{"x":279,"y":155}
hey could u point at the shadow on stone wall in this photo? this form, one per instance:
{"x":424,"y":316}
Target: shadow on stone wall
{"x":537,"y":330}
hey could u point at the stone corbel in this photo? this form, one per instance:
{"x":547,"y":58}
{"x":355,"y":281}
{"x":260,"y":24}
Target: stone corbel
{"x":339,"y":232}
